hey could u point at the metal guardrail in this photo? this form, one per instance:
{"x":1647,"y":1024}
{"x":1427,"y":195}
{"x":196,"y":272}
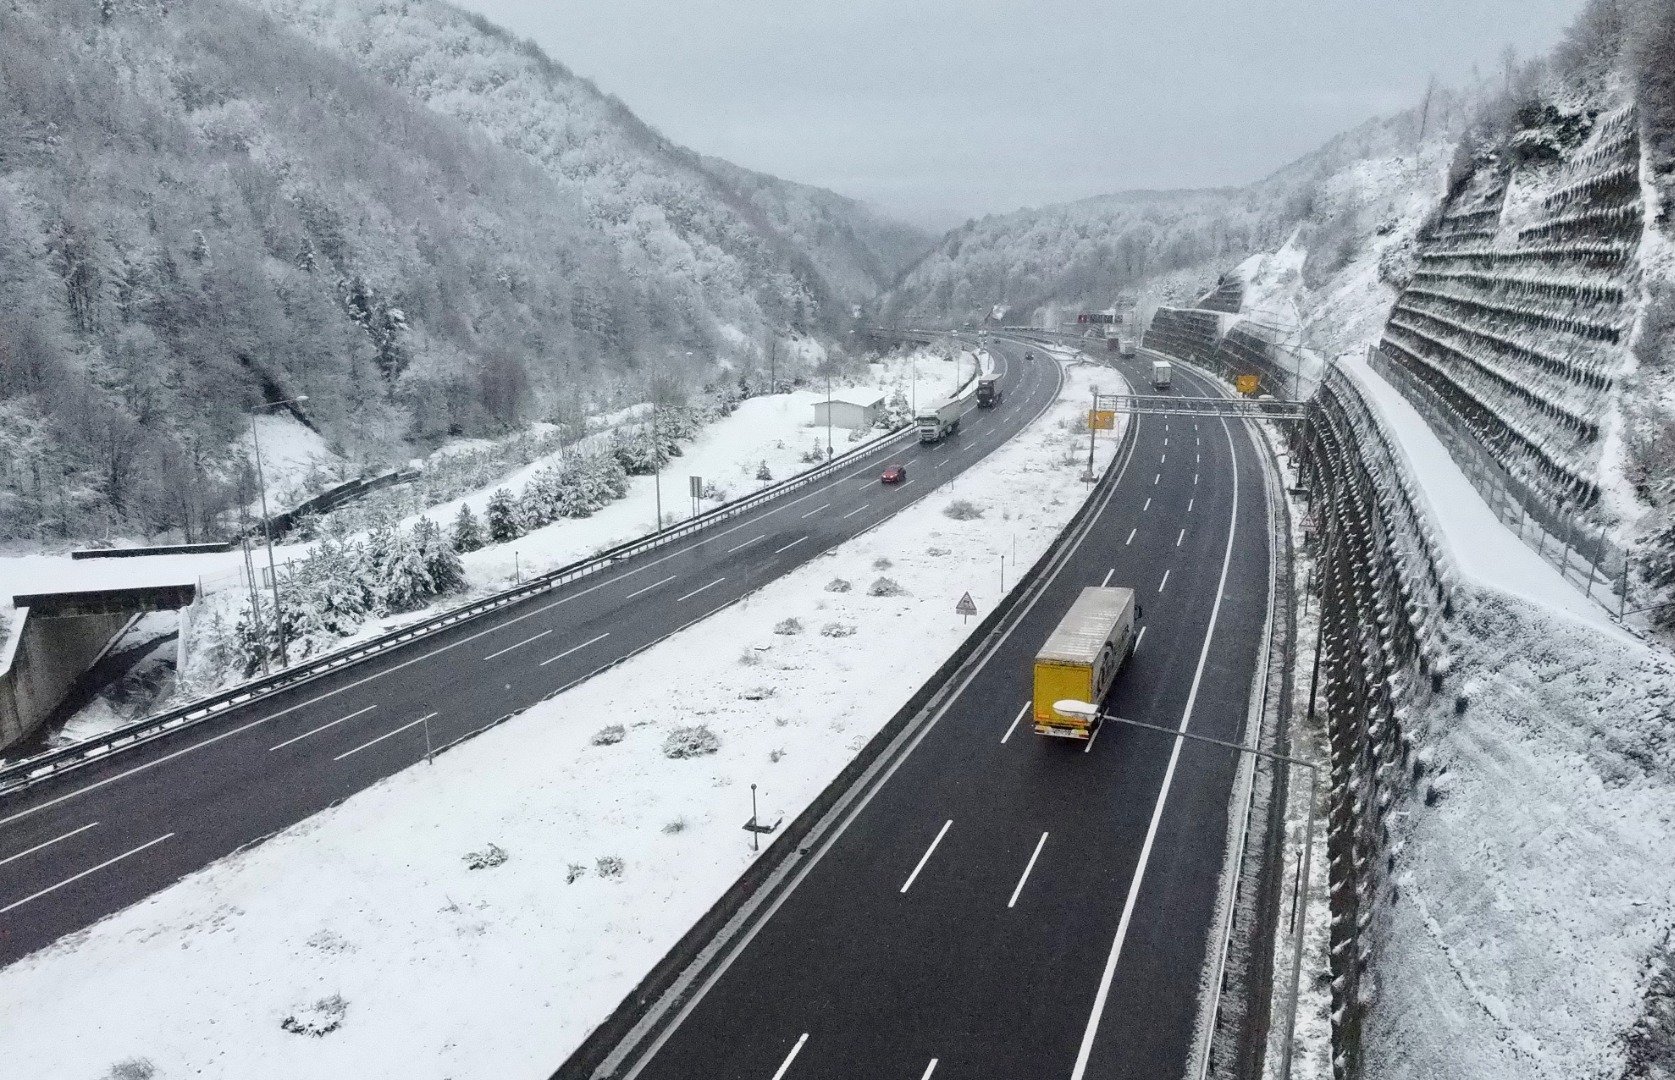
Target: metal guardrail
{"x":23,"y":774}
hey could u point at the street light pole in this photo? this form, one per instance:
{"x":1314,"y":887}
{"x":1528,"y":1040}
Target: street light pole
{"x":267,"y":528}
{"x":828,"y":410}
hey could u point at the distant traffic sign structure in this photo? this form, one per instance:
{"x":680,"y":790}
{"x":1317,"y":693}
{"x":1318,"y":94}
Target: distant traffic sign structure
{"x":1102,"y":419}
{"x":1247,"y":384}
{"x":967,"y":606}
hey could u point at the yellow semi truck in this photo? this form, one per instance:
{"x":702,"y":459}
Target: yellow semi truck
{"x":1082,"y":657}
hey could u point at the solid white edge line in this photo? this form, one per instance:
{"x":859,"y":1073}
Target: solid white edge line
{"x":700,"y":589}
{"x":322,"y":727}
{"x":1039,"y":844}
{"x":791,"y":545}
{"x":519,"y":645}
{"x":575,"y":648}
{"x":1164,"y":582}
{"x":926,"y":857}
{"x":1104,"y":991}
{"x":56,"y":839}
{"x":386,"y":735}
{"x":648,"y":588}
{"x":1109,"y":574}
{"x":789,"y":1058}
{"x":77,"y":877}
{"x":747,"y":543}
{"x":1010,"y":727}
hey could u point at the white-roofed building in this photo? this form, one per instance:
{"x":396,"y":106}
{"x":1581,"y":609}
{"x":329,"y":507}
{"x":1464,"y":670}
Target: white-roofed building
{"x":850,"y":408}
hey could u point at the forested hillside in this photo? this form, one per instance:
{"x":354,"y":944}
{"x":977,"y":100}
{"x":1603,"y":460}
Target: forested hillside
{"x":1083,"y":254}
{"x":426,"y":227}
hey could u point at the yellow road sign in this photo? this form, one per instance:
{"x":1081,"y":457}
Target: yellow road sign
{"x":1247,"y":384}
{"x":1102,"y":419}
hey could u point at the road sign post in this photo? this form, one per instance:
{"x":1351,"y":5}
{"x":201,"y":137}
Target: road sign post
{"x":696,"y":485}
{"x":966,"y":607}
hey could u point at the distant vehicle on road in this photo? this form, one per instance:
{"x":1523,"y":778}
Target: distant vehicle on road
{"x":936,"y":422}
{"x":895,"y":474}
{"x":988,"y":391}
{"x":1081,"y":659}
{"x":1162,"y":374}
{"x":1029,"y":355}
{"x":1113,"y":345}
{"x":1128,"y":347}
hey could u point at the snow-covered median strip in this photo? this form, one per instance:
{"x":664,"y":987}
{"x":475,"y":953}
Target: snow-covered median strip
{"x":477,"y":917}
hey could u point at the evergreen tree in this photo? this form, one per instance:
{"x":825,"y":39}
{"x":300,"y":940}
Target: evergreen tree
{"x":468,"y":534}
{"x":447,"y":573}
{"x":404,"y":580}
{"x":762,"y":472}
{"x":502,"y":517}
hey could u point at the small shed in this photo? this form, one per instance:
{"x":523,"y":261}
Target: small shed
{"x":849,"y":409}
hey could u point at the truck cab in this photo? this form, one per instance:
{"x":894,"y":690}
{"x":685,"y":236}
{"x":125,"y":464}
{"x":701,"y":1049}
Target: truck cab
{"x":988,"y":391}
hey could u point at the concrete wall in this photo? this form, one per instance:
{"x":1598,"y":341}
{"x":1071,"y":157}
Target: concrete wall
{"x":41,"y":660}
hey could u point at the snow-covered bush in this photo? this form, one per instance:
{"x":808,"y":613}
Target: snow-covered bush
{"x":763,"y":473}
{"x":608,"y":866}
{"x":490,"y":856}
{"x":837,"y":629}
{"x":885,"y":587}
{"x":813,"y":454}
{"x":502,"y":517}
{"x":132,"y":1069}
{"x":609,"y":735}
{"x":321,"y":1018}
{"x":776,"y":756}
{"x":837,"y":584}
{"x":788,"y":627}
{"x":676,"y":826}
{"x":688,"y":742}
{"x":963,"y":510}
{"x":881,"y":563}
{"x":468,"y":533}
{"x":573,"y":872}
{"x":749,"y":658}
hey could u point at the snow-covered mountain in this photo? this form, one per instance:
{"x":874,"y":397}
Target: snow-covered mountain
{"x":426,"y":226}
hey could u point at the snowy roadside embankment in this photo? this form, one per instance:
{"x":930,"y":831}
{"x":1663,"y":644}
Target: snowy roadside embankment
{"x":594,"y":848}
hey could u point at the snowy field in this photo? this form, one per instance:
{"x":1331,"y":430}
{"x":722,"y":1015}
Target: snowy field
{"x":369,"y":919}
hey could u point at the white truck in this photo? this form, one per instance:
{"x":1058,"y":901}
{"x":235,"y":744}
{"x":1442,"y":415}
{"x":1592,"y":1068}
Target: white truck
{"x":1162,"y":372}
{"x":938,"y":421}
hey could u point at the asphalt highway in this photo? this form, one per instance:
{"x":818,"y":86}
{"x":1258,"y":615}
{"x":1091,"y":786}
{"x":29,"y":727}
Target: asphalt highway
{"x":90,"y":843}
{"x":995,"y":903}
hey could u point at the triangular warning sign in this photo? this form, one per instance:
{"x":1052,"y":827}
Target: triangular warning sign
{"x":966,"y":606}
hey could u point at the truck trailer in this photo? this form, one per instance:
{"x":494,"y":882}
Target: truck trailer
{"x":988,"y":391}
{"x":1081,"y":659}
{"x":938,"y":421}
{"x":1162,"y":374}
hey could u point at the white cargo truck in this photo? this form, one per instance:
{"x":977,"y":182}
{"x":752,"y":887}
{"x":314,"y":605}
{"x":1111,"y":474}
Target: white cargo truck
{"x":1162,"y":372}
{"x":938,"y":421}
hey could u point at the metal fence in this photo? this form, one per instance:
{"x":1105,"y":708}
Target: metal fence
{"x":1557,"y":530}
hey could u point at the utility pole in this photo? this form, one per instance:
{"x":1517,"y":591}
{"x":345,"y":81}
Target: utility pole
{"x":656,"y":466}
{"x":828,"y":410}
{"x":773,"y":358}
{"x":267,"y":528}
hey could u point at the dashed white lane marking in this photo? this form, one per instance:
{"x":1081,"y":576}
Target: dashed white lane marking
{"x":903,"y":484}
{"x":789,"y":1058}
{"x":650,"y":587}
{"x":1163,"y":459}
{"x":1179,"y":538}
{"x":928,"y":1070}
{"x":747,"y":543}
{"x":816,"y":510}
{"x":386,"y":735}
{"x":853,"y":512}
{"x":1148,"y":505}
{"x":791,"y":545}
{"x":1195,"y":479}
{"x":926,"y":857}
{"x":1014,"y":723}
{"x":575,"y":648}
{"x":1131,"y":533}
{"x":1039,"y":844}
{"x":1189,"y":503}
{"x":1139,"y":638}
{"x":700,"y":589}
{"x":322,"y":727}
{"x":519,"y":645}
{"x":84,"y":828}
{"x":1108,"y":575}
{"x":90,"y":870}
{"x":1156,"y":478}
{"x":1164,"y":582}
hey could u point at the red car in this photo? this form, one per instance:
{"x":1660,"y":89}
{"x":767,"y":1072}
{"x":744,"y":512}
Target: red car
{"x":895,"y":474}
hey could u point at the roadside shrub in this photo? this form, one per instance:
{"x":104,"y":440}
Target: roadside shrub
{"x":881,"y":563}
{"x":749,"y":658}
{"x":573,"y":872}
{"x":776,"y":756}
{"x":132,"y":1069}
{"x":608,"y":866}
{"x":837,"y":629}
{"x":837,"y":584}
{"x":762,"y":472}
{"x":689,"y":742}
{"x":676,"y":826}
{"x":886,"y":587}
{"x":963,"y":510}
{"x":319,"y":1019}
{"x":609,"y":735}
{"x":789,"y":626}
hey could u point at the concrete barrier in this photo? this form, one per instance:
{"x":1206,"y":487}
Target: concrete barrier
{"x":41,"y":660}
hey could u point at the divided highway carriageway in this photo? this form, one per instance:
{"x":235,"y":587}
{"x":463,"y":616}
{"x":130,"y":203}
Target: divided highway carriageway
{"x":88,"y":842}
{"x":986,"y":902}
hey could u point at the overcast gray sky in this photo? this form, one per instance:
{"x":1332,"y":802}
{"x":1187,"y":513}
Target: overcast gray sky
{"x":937,"y":110}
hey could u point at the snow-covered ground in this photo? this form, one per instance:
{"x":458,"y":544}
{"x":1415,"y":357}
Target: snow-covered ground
{"x":371,"y":914}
